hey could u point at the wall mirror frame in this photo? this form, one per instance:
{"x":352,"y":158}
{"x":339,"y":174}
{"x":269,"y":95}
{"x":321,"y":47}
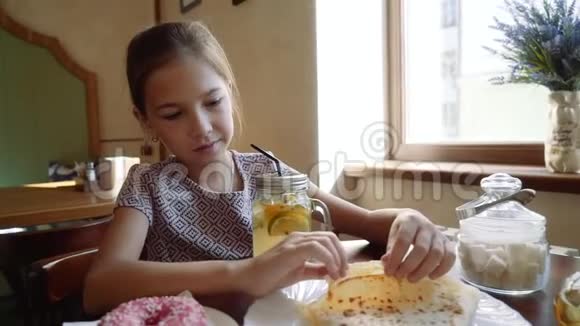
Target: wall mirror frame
{"x":88,"y":78}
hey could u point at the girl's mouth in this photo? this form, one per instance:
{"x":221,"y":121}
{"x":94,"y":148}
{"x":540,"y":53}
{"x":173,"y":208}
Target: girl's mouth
{"x":206,"y":147}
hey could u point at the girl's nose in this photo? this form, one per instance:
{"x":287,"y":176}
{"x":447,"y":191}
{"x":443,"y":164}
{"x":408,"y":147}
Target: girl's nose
{"x":200,"y":123}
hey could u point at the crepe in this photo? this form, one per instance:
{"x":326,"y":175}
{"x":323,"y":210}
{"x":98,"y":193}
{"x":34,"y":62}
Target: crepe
{"x":368,"y":297}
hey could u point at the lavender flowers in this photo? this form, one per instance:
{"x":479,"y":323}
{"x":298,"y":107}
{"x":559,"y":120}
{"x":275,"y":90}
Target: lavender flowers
{"x":542,"y":44}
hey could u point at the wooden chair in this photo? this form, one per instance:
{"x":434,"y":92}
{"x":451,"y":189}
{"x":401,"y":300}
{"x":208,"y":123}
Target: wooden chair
{"x":56,"y":285}
{"x":34,"y":243}
{"x":19,"y":250}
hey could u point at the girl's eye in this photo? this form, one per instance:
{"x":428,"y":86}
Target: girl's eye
{"x":172,"y":116}
{"x":214,"y":102}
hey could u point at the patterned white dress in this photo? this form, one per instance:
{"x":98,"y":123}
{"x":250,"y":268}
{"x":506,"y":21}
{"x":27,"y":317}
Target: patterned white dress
{"x":188,"y":222}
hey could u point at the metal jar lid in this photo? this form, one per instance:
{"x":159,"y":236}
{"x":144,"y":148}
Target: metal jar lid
{"x":274,"y":183}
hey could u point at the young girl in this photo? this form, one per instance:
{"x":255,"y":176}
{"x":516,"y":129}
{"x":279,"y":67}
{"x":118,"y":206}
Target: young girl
{"x":179,"y":226}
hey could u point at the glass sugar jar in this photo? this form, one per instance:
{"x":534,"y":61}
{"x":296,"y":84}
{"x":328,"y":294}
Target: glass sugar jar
{"x":502,"y":245}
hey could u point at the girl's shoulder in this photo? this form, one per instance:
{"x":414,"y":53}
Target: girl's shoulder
{"x":152,"y":172}
{"x":142,"y":185}
{"x":252,"y":158}
{"x":257,"y":163}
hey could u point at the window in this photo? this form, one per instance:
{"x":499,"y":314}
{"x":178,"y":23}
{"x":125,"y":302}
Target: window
{"x":441,"y":101}
{"x":449,"y":13}
{"x":350,"y":83}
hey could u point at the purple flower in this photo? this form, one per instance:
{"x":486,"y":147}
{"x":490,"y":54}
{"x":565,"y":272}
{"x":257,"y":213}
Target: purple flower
{"x":541,"y":45}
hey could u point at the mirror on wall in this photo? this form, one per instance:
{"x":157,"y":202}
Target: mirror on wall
{"x":48,"y":106}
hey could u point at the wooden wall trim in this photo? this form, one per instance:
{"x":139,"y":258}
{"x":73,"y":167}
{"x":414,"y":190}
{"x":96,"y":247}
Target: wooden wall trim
{"x":163,"y":152}
{"x":395,"y":75}
{"x":469,"y":174}
{"x":89,"y":78}
{"x":399,"y":149}
{"x":157,"y":11}
{"x":119,"y":140}
{"x":518,"y":154}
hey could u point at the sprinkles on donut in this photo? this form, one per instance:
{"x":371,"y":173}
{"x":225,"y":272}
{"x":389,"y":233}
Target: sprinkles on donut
{"x":166,"y":311}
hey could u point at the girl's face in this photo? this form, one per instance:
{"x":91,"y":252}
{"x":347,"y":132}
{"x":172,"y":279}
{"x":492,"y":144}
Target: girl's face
{"x":189,"y":108}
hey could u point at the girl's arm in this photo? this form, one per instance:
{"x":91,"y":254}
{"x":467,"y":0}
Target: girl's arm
{"x":349,"y":218}
{"x":117,"y":275}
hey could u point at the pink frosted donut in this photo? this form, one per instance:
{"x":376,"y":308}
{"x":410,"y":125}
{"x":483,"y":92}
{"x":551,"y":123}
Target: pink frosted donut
{"x":167,"y":311}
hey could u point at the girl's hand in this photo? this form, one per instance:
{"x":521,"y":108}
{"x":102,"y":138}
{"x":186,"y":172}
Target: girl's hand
{"x":432,"y":254}
{"x":292,"y":260}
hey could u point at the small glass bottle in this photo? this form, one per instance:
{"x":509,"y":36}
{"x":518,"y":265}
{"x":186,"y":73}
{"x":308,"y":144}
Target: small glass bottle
{"x":502,"y":245}
{"x":91,"y":176}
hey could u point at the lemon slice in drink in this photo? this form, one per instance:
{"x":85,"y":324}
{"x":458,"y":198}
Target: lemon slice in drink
{"x":273,"y":210}
{"x":292,"y":221}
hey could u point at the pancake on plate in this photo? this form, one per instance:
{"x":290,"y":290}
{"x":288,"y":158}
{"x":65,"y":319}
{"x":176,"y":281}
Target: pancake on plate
{"x":368,"y":297}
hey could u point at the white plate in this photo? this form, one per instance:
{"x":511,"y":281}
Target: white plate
{"x":279,"y":308}
{"x":216,"y":318}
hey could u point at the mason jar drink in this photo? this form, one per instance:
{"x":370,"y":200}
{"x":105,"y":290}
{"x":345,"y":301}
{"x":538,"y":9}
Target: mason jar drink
{"x":282,"y":206}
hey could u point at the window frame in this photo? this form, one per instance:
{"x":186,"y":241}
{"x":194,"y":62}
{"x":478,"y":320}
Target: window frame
{"x":511,"y":153}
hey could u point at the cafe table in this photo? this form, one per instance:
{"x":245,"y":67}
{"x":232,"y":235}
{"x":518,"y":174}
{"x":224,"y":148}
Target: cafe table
{"x":22,"y":207}
{"x":537,"y":308}
{"x":44,"y":220}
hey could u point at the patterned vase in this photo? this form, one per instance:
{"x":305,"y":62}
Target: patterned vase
{"x":560,"y":153}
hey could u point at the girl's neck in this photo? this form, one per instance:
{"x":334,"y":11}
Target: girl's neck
{"x":218,"y":176}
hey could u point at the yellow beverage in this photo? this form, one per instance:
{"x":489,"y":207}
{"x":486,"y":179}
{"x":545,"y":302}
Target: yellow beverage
{"x":274,"y":221}
{"x":567,"y":302}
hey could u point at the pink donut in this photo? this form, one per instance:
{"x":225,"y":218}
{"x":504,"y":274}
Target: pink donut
{"x":167,"y":311}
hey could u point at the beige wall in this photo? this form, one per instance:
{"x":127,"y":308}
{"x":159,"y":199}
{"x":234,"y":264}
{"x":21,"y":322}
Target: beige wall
{"x":270,"y":43}
{"x":438,"y":201}
{"x":95,"y":34}
{"x":272,"y":47}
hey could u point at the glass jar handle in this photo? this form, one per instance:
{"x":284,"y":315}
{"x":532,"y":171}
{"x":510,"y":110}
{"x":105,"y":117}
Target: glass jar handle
{"x":319,"y":206}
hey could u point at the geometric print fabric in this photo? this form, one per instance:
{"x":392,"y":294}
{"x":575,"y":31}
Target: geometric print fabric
{"x":188,"y":222}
